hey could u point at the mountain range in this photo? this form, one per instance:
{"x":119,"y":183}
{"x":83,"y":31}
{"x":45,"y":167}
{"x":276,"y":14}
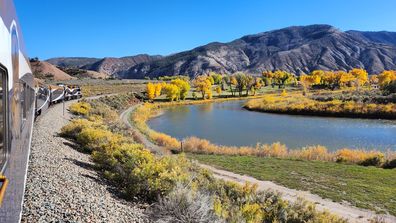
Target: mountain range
{"x":297,"y":49}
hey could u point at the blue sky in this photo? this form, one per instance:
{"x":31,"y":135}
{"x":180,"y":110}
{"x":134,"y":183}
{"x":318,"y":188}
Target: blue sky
{"x":98,"y":28}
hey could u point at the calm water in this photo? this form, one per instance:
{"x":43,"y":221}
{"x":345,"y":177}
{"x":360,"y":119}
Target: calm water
{"x":228,"y":123}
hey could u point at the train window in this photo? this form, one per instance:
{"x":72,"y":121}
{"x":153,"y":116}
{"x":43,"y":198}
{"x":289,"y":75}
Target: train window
{"x":23,"y":100}
{"x":3,"y":118}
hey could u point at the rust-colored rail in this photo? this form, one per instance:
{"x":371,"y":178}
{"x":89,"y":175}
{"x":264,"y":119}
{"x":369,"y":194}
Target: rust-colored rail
{"x":3,"y":188}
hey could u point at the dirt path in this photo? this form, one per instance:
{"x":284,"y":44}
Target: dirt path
{"x":125,"y":117}
{"x":351,"y":213}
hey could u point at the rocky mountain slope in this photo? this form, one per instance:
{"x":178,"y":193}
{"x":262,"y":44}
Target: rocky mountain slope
{"x":379,"y":37}
{"x":297,"y":49}
{"x":117,"y":66}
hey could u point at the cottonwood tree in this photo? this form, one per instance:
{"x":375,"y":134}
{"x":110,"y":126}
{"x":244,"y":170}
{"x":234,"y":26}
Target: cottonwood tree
{"x":203,"y":85}
{"x":150,"y":90}
{"x":386,"y":77}
{"x":184,"y":87}
{"x":360,"y":75}
{"x":172,"y":92}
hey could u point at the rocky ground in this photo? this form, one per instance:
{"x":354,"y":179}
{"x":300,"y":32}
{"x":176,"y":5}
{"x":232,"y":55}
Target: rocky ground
{"x":62,"y":185}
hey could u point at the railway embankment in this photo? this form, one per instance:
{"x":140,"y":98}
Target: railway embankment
{"x":62,"y":184}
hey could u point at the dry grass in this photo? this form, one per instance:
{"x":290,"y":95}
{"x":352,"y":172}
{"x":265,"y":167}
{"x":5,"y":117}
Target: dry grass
{"x":298,"y":104}
{"x":278,"y":150}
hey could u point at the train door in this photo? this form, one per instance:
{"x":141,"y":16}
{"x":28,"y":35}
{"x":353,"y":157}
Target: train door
{"x":3,"y":118}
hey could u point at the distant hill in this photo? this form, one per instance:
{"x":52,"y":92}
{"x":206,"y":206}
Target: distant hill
{"x":44,"y":70}
{"x":81,"y":73}
{"x":109,"y":65}
{"x":72,"y":62}
{"x":297,"y":49}
{"x":378,"y":37}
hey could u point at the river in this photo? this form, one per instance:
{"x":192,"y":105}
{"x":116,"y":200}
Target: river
{"x":227,"y":123}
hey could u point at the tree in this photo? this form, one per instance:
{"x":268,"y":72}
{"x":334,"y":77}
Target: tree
{"x":258,"y":83}
{"x":217,"y":78}
{"x":184,"y":87}
{"x":390,"y":88}
{"x":345,"y":78}
{"x":241,"y":82}
{"x":373,"y":80}
{"x":203,"y":85}
{"x":218,"y":90}
{"x":150,"y":89}
{"x":268,"y":78}
{"x":317,"y":76}
{"x":250,"y":81}
{"x":172,"y":92}
{"x":332,"y":79}
{"x":360,"y":75}
{"x":281,"y":78}
{"x":210,"y":78}
{"x":234,"y":82}
{"x":386,"y":77}
{"x":158,"y":88}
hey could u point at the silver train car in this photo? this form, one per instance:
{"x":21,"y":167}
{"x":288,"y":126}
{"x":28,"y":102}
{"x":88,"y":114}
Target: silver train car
{"x":21,"y":101}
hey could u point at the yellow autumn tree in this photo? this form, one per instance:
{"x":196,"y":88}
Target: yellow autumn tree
{"x":158,"y":88}
{"x":360,"y":75}
{"x":184,"y":87}
{"x":317,"y":76}
{"x":172,"y":92}
{"x":345,"y":78}
{"x":332,"y":79}
{"x":386,"y":77}
{"x":218,"y":90}
{"x":150,"y":90}
{"x":203,"y":85}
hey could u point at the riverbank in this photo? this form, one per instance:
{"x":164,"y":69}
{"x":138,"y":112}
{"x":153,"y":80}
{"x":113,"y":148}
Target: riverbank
{"x":296,"y":104}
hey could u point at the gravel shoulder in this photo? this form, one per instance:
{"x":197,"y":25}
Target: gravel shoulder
{"x":62,"y":185}
{"x":351,"y":213}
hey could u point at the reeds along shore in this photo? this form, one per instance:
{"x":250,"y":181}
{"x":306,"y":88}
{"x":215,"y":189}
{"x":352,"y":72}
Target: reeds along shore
{"x":278,"y":150}
{"x":335,"y":108}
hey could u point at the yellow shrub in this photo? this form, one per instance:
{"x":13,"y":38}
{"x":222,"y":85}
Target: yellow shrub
{"x":312,"y":153}
{"x":274,"y":150}
{"x":98,"y":139}
{"x":73,"y":128}
{"x":356,"y":156}
{"x":80,"y":108}
{"x":165,"y":140}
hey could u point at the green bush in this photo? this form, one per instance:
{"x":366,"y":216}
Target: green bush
{"x":390,"y":164}
{"x":376,"y":160}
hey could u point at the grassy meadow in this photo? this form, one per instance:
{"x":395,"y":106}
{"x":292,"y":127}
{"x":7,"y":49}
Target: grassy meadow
{"x":365,"y":187}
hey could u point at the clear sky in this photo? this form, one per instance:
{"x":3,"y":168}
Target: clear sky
{"x":99,"y":28}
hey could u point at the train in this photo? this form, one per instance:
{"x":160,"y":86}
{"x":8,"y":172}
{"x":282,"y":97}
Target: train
{"x":22,"y":100}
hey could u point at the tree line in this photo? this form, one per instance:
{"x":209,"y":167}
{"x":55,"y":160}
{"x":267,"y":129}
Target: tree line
{"x":245,"y":84}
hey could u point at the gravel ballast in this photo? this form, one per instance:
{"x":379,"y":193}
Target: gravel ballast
{"x":62,"y":185}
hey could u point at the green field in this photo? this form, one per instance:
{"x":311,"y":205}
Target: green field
{"x":366,"y":187}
